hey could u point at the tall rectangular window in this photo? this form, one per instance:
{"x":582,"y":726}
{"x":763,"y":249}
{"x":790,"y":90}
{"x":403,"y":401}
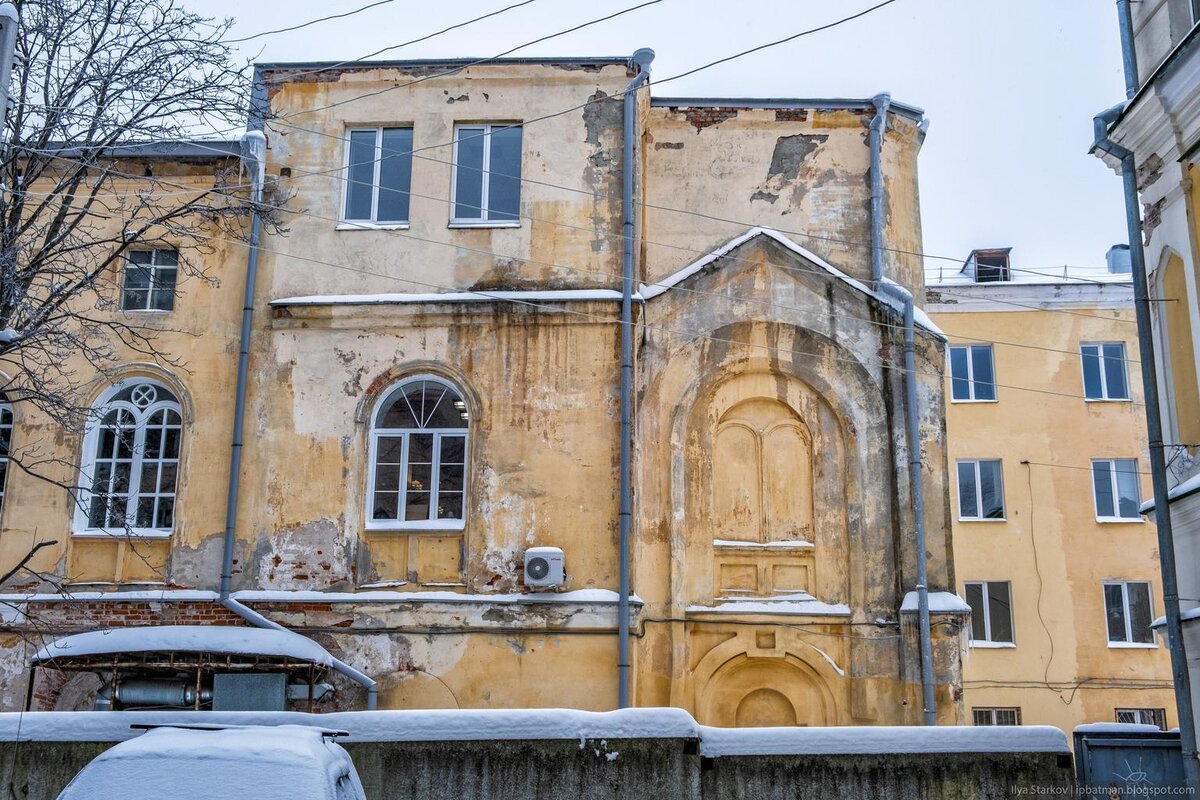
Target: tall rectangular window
{"x":6,"y":429}
{"x":1104,"y":373}
{"x":996,"y":716}
{"x":150,"y":277}
{"x":1143,"y":716}
{"x":1118,"y":495}
{"x":1128,"y":611}
{"x":378,"y":175}
{"x":972,"y":376}
{"x":487,"y":174}
{"x":991,"y":612}
{"x":980,"y":490}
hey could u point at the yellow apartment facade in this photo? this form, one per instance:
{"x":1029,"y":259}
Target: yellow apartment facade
{"x":1048,"y":454}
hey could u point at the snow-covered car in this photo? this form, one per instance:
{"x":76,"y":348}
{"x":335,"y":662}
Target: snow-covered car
{"x":285,"y":762}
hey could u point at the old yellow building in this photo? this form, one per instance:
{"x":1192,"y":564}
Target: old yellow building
{"x":1048,"y":454}
{"x":435,"y":394}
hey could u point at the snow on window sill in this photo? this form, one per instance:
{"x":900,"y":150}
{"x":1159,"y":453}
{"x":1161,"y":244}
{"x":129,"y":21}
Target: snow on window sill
{"x":121,"y":533}
{"x":982,"y":519}
{"x":147,"y":310}
{"x":349,"y":225}
{"x":483,"y":223}
{"x":1138,"y":520}
{"x":430,"y":526}
{"x":1108,"y":399}
{"x":968,"y":401}
{"x":1133,"y":645}
{"x":986,"y":645}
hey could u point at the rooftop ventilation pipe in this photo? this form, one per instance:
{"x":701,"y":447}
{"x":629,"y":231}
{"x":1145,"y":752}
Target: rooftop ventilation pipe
{"x":640,"y":61}
{"x":885,"y":286}
{"x":254,"y":159}
{"x":1158,"y":465}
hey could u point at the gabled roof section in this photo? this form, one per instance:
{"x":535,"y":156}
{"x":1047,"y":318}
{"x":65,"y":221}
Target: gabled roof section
{"x":652,"y":290}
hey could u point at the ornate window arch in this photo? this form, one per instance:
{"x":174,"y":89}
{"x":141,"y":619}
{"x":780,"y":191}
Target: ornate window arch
{"x":6,"y":430}
{"x":130,"y":470}
{"x":418,"y":457}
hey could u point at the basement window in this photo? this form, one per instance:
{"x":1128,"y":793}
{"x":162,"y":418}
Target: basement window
{"x":1115,"y":485}
{"x":991,"y":613}
{"x":1143,"y":716}
{"x":1128,"y":610}
{"x":487,"y":175}
{"x":996,"y":716}
{"x":378,"y":176}
{"x":972,"y":373}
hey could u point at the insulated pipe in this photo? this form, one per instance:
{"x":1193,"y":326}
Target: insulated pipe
{"x":1128,"y":53}
{"x":1158,"y":463}
{"x":641,"y":62}
{"x":916,"y":491}
{"x":254,"y":157}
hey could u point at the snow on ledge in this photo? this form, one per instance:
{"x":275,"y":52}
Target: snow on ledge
{"x":939,"y":603}
{"x":783,"y":544}
{"x":234,"y":640}
{"x":1185,"y":489}
{"x":797,"y":604}
{"x":872,"y":739}
{"x":582,"y":596}
{"x":525,"y":296}
{"x":1117,"y":727}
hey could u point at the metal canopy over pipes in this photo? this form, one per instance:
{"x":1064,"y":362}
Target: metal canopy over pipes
{"x":881,"y":284}
{"x":641,"y":62}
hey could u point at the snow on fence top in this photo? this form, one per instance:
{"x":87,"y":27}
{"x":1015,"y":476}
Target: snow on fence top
{"x":553,"y":723}
{"x":187,"y":639}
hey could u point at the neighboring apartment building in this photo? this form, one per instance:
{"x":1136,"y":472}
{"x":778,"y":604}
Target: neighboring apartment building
{"x":1048,"y":455}
{"x":434,"y":390}
{"x":1160,"y":125}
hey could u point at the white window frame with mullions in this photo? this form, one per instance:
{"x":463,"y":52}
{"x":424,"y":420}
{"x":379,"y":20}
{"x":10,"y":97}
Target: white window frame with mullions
{"x":128,"y":441}
{"x":393,"y":167}
{"x":984,"y":621}
{"x":988,"y":716}
{"x":1116,"y":490}
{"x":1105,"y":372}
{"x":970,"y":387}
{"x":975,"y":511}
{"x":1133,"y":633}
{"x":149,"y":280}
{"x":399,"y":473}
{"x":477,"y":212}
{"x":6,"y":432}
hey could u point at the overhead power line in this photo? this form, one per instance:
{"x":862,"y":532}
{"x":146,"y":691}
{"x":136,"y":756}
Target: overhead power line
{"x":310,"y":22}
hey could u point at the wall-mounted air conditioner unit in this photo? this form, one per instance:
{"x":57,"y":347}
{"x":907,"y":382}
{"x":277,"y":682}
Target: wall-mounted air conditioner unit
{"x":544,"y":567}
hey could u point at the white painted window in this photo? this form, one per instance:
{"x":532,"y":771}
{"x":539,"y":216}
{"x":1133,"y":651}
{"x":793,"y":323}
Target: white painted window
{"x":991,"y":613}
{"x":150,"y":277}
{"x":996,"y":716}
{"x":378,"y":175}
{"x":1143,"y":716}
{"x":6,"y":429}
{"x":980,"y":490}
{"x":1129,"y":611}
{"x":131,"y":462}
{"x":419,"y":457}
{"x":1105,"y":376}
{"x":1116,"y":490}
{"x":487,"y":175}
{"x":972,"y":374}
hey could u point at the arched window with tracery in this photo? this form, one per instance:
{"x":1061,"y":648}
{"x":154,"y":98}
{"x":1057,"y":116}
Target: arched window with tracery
{"x":418,"y":457}
{"x":130,"y":471}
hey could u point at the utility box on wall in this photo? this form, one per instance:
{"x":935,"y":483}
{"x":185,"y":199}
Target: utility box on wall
{"x":250,"y":692}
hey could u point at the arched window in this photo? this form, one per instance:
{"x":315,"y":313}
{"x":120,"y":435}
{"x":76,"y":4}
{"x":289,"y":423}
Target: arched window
{"x":6,"y":428}
{"x":418,"y":457}
{"x":131,"y":461}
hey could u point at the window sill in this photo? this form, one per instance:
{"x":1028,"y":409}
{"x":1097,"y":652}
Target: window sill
{"x":1132,"y":646}
{"x":982,"y":519}
{"x":993,"y":645}
{"x":440,"y":526}
{"x":1108,"y":399}
{"x":460,"y":224}
{"x":146,"y":310}
{"x":120,"y":533}
{"x":371,"y":226}
{"x":1138,"y":520}
{"x":970,"y":402}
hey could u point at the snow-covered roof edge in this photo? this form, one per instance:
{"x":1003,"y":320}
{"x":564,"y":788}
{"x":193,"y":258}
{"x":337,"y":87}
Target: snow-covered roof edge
{"x":520,"y":296}
{"x":229,"y":639}
{"x":939,"y":603}
{"x":649,"y":291}
{"x":1185,"y":489}
{"x":581,"y":596}
{"x":872,"y":739}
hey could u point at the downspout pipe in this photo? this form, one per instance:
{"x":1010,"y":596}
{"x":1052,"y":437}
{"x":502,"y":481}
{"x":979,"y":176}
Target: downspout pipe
{"x":640,"y":61}
{"x":912,"y":422}
{"x":254,"y":159}
{"x":1128,"y":53}
{"x":1158,"y":461}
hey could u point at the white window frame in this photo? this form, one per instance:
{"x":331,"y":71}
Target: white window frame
{"x":81,"y":526}
{"x":1128,"y":643}
{"x":1143,"y":716}
{"x":153,"y":268}
{"x":971,"y":373}
{"x":1102,"y":363}
{"x":979,"y":490}
{"x":482,"y":221}
{"x":7,"y":425}
{"x":375,"y":434}
{"x":347,"y":224}
{"x":993,"y":712}
{"x":1112,"y":482}
{"x":989,"y":643}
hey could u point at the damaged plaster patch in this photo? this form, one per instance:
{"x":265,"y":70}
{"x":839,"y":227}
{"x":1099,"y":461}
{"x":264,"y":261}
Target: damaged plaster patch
{"x":789,"y":169}
{"x":198,"y":566}
{"x":310,"y":556}
{"x":668,"y":145}
{"x":603,"y":122}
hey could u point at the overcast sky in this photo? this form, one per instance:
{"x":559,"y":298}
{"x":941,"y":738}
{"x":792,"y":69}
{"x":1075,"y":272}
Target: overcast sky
{"x":1010,"y":87}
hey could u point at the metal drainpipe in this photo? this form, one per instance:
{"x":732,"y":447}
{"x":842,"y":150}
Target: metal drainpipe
{"x":916,"y":491}
{"x":1158,"y":465}
{"x":1128,"y":53}
{"x":641,"y":61}
{"x":254,"y":156}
